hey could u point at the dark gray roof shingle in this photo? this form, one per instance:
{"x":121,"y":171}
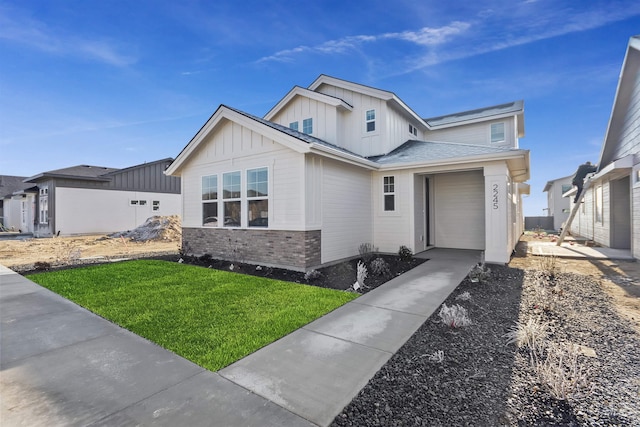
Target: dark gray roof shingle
{"x":425,"y":151}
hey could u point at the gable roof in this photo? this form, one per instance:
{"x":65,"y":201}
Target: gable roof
{"x":297,"y":141}
{"x":629,"y":77}
{"x":300,"y":91}
{"x":385,"y":95}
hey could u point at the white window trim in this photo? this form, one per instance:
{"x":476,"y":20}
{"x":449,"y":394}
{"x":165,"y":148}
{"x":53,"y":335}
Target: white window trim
{"x":504,"y":133}
{"x":303,"y":129}
{"x":385,"y":193}
{"x":223,"y":200}
{"x":367,"y":121}
{"x":210,"y":201}
{"x":245,"y":206}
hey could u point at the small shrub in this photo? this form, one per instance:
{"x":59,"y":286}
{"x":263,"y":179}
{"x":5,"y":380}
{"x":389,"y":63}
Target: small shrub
{"x":560,"y":373}
{"x":480,"y":273}
{"x":465,"y":296}
{"x":437,"y":356}
{"x":367,"y":251}
{"x":549,"y":265}
{"x":361,"y":273}
{"x":405,"y":253}
{"x":42,"y":266}
{"x":455,"y":316}
{"x":380,"y":267}
{"x":312,"y":275}
{"x":531,"y":334}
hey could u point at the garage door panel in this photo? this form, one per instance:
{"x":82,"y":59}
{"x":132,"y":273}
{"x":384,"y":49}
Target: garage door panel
{"x":459,"y":210}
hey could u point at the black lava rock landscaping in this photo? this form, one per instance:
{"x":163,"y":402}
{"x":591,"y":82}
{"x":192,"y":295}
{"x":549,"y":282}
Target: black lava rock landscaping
{"x":480,"y":380}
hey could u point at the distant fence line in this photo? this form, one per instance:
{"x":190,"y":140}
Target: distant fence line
{"x":538,"y":222}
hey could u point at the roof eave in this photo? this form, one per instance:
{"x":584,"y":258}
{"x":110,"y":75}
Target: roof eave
{"x":325,"y":151}
{"x":300,"y":91}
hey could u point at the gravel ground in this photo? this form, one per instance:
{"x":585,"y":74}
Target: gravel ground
{"x":483,"y":381}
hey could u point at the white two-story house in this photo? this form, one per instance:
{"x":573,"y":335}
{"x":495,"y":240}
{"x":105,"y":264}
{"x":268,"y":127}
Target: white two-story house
{"x":339,"y":164}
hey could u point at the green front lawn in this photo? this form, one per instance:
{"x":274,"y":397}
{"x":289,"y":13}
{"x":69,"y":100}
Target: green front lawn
{"x":210,"y":317}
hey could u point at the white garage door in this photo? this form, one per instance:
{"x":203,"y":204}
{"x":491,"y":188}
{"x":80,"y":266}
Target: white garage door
{"x":459,"y":210}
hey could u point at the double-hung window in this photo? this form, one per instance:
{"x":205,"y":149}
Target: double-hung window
{"x":307,"y":126}
{"x":209,"y":201}
{"x":370,"y":119}
{"x":231,"y":193}
{"x":497,"y":132}
{"x":258,"y":197}
{"x":389,"y":193}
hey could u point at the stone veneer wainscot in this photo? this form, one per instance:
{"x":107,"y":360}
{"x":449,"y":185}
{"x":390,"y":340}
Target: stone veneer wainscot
{"x":294,"y":250}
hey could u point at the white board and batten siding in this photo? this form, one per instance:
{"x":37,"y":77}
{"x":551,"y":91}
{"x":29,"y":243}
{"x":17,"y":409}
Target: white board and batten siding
{"x":459,"y":205}
{"x":393,"y":228}
{"x":346,"y":210}
{"x":325,"y":121}
{"x":476,"y":133}
{"x":88,"y":211}
{"x":234,"y":147}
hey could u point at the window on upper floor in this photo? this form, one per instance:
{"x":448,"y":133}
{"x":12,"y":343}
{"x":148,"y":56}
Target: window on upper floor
{"x":293,"y":125}
{"x":497,"y":132}
{"x":566,"y":187}
{"x":307,"y":126}
{"x":370,"y":119}
{"x":413,"y":130}
{"x":389,"y":193}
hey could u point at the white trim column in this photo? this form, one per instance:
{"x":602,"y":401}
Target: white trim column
{"x":496,"y":179}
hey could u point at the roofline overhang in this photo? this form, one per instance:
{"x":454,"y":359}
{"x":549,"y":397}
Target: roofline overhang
{"x":524,"y":188}
{"x":633,"y":48}
{"x":385,"y":95}
{"x":46,"y":175}
{"x":300,"y":91}
{"x":519,"y":113}
{"x":616,"y":169}
{"x":518,"y":161}
{"x":223,"y":112}
{"x":329,"y":152}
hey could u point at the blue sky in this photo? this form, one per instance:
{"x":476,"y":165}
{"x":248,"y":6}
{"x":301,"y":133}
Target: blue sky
{"x":118,"y":83}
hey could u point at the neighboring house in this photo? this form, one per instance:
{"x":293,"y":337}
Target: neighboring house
{"x":558,"y":206}
{"x":93,"y":199}
{"x":16,"y":203}
{"x":610,"y":211}
{"x":339,"y":164}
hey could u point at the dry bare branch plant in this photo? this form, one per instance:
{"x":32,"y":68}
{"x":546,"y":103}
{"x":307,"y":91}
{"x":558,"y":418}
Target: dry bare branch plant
{"x":455,"y":316}
{"x":361,"y":273}
{"x":549,"y":265}
{"x":531,"y":335}
{"x":559,"y":372}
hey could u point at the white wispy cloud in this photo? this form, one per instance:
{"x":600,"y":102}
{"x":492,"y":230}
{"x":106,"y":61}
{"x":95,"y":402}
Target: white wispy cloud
{"x":489,"y":31}
{"x":425,"y":36}
{"x":26,"y":31}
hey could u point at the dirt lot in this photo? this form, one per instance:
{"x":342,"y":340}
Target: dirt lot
{"x":621,"y":279}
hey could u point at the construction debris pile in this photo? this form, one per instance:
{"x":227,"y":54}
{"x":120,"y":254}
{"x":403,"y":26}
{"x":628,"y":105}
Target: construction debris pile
{"x":166,"y":228}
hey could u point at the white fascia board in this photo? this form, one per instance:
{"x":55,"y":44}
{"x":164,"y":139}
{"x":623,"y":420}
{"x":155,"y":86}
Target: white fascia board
{"x":621,"y":165}
{"x":300,"y":91}
{"x":524,"y":188}
{"x":225,"y":113}
{"x":633,"y":49}
{"x":521,"y":157}
{"x":332,"y":153}
{"x":370,"y":91}
{"x":519,"y":114}
{"x":367,"y":90}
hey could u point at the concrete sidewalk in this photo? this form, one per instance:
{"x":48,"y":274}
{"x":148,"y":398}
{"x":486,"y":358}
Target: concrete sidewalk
{"x":62,"y":365}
